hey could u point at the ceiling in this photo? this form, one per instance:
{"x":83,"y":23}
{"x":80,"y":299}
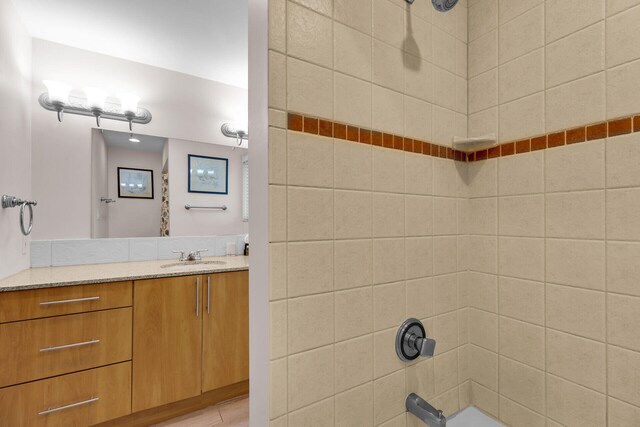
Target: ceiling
{"x":203,"y":38}
{"x":147,"y":143}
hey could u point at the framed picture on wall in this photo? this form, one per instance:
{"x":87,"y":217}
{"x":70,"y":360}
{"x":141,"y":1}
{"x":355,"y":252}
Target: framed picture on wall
{"x":208,"y":175}
{"x":135,"y":183}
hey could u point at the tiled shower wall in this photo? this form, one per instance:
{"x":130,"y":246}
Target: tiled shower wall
{"x":363,"y":237}
{"x":554,"y":239}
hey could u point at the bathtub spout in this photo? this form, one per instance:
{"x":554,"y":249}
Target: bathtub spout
{"x":424,"y":411}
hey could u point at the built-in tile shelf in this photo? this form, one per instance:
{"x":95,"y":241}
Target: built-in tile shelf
{"x":56,"y":253}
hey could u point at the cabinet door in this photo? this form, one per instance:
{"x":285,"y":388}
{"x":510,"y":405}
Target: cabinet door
{"x":167,"y":341}
{"x":225,"y":337}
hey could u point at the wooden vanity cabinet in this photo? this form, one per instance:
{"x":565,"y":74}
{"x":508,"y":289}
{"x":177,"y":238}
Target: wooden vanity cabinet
{"x":190,"y":336}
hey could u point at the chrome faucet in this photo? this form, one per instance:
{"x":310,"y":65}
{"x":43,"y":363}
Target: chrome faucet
{"x":424,"y":411}
{"x":191,"y":256}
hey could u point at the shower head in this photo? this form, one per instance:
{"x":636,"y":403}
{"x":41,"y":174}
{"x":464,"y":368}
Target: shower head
{"x":440,"y":5}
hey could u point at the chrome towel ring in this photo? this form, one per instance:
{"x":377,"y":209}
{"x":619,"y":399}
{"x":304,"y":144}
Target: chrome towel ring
{"x":12,"y":202}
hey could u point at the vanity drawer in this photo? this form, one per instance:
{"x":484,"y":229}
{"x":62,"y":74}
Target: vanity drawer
{"x":80,"y":399}
{"x":36,"y":349}
{"x":37,"y":303}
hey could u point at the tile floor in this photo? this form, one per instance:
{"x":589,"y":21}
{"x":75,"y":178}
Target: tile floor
{"x":234,"y":413}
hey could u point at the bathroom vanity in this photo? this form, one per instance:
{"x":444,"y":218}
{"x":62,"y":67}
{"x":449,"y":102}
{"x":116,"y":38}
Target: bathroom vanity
{"x":100,"y":347}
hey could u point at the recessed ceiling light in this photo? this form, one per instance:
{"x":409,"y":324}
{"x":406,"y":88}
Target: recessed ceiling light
{"x":132,"y":139}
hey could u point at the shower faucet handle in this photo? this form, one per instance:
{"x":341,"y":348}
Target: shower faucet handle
{"x":412,"y":341}
{"x":426,"y":346}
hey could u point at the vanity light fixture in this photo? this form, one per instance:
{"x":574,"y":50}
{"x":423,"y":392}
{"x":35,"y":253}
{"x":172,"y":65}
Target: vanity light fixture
{"x":133,"y":139}
{"x":57,"y":99}
{"x":232,"y":132}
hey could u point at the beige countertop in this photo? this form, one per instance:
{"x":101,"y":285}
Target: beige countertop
{"x":49,"y":277}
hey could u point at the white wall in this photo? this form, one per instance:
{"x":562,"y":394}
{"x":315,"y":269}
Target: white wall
{"x":183,"y":107}
{"x":99,"y":186}
{"x":15,"y":136}
{"x":199,"y":222}
{"x":134,"y":217}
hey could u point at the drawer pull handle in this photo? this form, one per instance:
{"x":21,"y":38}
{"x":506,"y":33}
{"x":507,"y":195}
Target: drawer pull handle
{"x":62,"y":347}
{"x":72,"y":405}
{"x":67,"y":301}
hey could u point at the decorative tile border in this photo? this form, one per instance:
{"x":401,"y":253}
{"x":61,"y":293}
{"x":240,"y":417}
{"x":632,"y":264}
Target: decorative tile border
{"x":313,"y":125}
{"x":316,"y":126}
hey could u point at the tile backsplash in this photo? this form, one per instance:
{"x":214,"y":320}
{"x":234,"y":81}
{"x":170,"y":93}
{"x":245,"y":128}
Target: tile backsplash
{"x":55,"y":253}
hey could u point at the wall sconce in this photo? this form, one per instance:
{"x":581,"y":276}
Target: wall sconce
{"x":57,"y":99}
{"x":230,"y":130}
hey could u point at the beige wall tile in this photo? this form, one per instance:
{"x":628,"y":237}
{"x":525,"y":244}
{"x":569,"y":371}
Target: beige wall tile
{"x":576,"y":215}
{"x":443,"y":45}
{"x":309,"y":214}
{"x":615,"y":6}
{"x":310,"y":160}
{"x":417,"y":118}
{"x":388,"y":397}
{"x":277,"y":80}
{"x":521,"y":174}
{"x":388,"y":170}
{"x":277,"y":271}
{"x":482,"y":254}
{"x":352,"y":100}
{"x":324,"y":7}
{"x":483,"y":216}
{"x":577,"y":359}
{"x":483,"y":329}
{"x":483,"y":91}
{"x":277,"y":118}
{"x":448,"y":401}
{"x":398,"y":421}
{"x":445,"y":368}
{"x":522,"y":300}
{"x":420,"y":296}
{"x":445,"y":332}
{"x":278,"y":25}
{"x":522,"y":76}
{"x":623,"y":321}
{"x":483,"y":123}
{"x":483,"y":367}
{"x":622,"y":209}
{"x":575,"y":167}
{"x":388,"y":260}
{"x":418,"y":174}
{"x":387,"y":66}
{"x":388,"y":23}
{"x":522,"y":216}
{"x":388,"y":305}
{"x":445,"y":254}
{"x":353,"y":313}
{"x":576,"y":263}
{"x":353,"y":166}
{"x":310,"y":377}
{"x":623,"y":374}
{"x":445,"y":293}
{"x":509,"y":9}
{"x":564,"y":17}
{"x":278,"y":388}
{"x":572,"y":404}
{"x":388,"y":215}
{"x":444,"y":125}
{"x":418,"y":78}
{"x":445,"y":178}
{"x":513,"y":413}
{"x":522,"y":118}
{"x":482,"y":178}
{"x":310,"y":313}
{"x":576,"y":311}
{"x":523,"y":384}
{"x":521,"y":257}
{"x":482,"y":290}
{"x":483,"y":17}
{"x":385,"y":359}
{"x":319,"y":414}
{"x":622,"y":37}
{"x":483,"y":53}
{"x":309,"y":35}
{"x":622,"y":414}
{"x":575,"y":103}
{"x":523,"y":342}
{"x":420,"y":379}
{"x":462,"y":96}
{"x":278,"y":329}
{"x":521,"y":35}
{"x":277,"y":156}
{"x":277,"y":213}
{"x":420,"y":29}
{"x":353,"y":214}
{"x":353,"y":264}
{"x":485,"y":399}
{"x":444,"y":88}
{"x":352,"y":51}
{"x":309,"y":268}
{"x":445,"y":218}
{"x":309,"y":89}
{"x":354,"y":407}
{"x":355,"y":13}
{"x":622,"y":94}
{"x":623,"y":154}
{"x":623,"y":267}
{"x":419,"y":255}
{"x":463,"y":367}
{"x":418,"y":215}
{"x":575,"y":56}
{"x":353,"y":362}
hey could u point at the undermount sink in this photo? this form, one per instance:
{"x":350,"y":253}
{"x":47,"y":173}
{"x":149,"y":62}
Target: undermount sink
{"x":192,"y":263}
